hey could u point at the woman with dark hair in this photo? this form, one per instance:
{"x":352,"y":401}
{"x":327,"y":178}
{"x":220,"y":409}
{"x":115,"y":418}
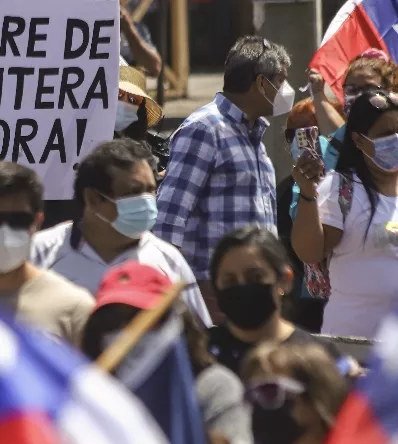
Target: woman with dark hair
{"x":363,"y":246}
{"x":123,"y":294}
{"x":250,"y":273}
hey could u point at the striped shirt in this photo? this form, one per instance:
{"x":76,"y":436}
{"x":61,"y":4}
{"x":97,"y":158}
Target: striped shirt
{"x":219,"y":178}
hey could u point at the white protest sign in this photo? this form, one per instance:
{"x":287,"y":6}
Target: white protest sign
{"x":59,"y":75}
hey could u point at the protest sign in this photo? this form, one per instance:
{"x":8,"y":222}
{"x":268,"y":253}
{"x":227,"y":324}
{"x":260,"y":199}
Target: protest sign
{"x":59,"y":62}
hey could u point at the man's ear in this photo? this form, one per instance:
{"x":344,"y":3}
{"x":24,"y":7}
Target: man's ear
{"x":91,"y":197}
{"x":287,"y":281}
{"x":37,"y":223}
{"x":260,"y":82}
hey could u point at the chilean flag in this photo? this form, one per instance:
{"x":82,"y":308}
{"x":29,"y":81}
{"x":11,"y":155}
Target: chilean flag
{"x":358,"y":26}
{"x":49,"y":394}
{"x":370,"y":414}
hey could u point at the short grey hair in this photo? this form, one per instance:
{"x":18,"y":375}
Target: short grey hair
{"x":251,"y":56}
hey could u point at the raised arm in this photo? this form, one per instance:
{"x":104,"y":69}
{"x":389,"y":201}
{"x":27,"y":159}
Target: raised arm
{"x":318,"y":226}
{"x":145,"y":54}
{"x":329,"y":120}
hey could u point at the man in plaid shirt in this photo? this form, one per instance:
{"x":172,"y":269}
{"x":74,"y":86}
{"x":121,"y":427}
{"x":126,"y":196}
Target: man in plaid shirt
{"x":219,"y":175}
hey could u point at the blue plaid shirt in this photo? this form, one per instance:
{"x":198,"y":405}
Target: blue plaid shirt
{"x":219,"y":178}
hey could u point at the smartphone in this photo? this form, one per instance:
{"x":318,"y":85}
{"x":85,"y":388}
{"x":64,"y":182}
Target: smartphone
{"x":307,"y":140}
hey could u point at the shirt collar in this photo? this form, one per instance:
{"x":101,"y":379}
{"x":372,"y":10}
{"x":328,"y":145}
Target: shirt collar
{"x":86,"y":250}
{"x":230,"y":110}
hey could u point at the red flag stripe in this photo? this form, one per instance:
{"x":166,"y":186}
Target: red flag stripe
{"x":356,"y":424}
{"x":353,"y":37}
{"x":31,"y":428}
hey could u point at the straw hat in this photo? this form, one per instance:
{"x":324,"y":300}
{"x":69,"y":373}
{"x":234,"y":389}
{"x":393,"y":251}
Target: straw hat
{"x":133,"y":81}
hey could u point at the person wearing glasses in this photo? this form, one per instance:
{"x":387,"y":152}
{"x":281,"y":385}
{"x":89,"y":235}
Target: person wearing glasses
{"x":295,"y":392}
{"x":29,"y":294}
{"x":219,"y":175}
{"x":372,"y":69}
{"x":251,"y":274}
{"x":362,"y":247}
{"x":137,"y":113}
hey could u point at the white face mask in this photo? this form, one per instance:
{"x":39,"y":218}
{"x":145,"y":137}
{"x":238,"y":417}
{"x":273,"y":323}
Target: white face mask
{"x":126,"y":114}
{"x":284,"y":99}
{"x":14,"y":248}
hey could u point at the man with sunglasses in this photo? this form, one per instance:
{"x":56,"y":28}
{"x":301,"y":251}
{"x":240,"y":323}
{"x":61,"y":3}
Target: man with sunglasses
{"x":219,"y":175}
{"x":42,"y":298}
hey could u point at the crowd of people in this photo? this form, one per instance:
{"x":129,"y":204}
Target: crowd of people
{"x":210,"y":218}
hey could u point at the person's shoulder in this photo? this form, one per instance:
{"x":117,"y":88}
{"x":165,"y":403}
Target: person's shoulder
{"x":48,"y":242}
{"x":303,"y":337}
{"x":168,"y":250}
{"x":63,"y":288}
{"x":207,"y":119}
{"x":218,"y":372}
{"x":220,"y":380}
{"x":52,"y":236}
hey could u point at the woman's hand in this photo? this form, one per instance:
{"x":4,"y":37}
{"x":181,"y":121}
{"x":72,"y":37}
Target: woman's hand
{"x":316,"y":80}
{"x":307,"y":174}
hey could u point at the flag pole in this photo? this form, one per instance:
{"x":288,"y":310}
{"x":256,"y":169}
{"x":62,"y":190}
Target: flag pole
{"x":140,"y":324}
{"x":318,"y":29}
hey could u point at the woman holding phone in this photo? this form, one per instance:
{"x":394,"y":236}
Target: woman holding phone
{"x":363,"y":246}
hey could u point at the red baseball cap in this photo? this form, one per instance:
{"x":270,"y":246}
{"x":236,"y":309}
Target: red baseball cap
{"x":132,"y":284}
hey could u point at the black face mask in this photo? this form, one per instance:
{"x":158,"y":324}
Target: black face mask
{"x":275,"y":426}
{"x":247,"y":306}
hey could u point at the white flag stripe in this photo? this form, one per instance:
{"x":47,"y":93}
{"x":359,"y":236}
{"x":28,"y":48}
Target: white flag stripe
{"x":100,"y":411}
{"x":342,"y":15}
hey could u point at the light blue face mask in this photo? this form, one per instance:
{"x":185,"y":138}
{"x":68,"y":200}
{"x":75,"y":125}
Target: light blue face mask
{"x":135,"y":215}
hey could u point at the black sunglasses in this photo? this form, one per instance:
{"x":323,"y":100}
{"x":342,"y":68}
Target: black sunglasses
{"x":18,"y":220}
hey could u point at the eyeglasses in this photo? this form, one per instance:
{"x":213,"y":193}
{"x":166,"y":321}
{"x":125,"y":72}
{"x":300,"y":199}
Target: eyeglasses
{"x":353,"y":90}
{"x":290,"y":134}
{"x":18,"y":220}
{"x":271,"y":393}
{"x":381,"y":101}
{"x":131,"y":98}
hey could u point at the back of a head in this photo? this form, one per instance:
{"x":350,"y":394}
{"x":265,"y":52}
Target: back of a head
{"x":270,"y":248}
{"x":250,"y":57}
{"x":16,"y":178}
{"x":94,"y":170}
{"x":308,"y":364}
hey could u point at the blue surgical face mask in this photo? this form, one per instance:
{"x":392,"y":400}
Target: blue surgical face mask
{"x":386,"y":152}
{"x":135,"y":215}
{"x":126,"y":114}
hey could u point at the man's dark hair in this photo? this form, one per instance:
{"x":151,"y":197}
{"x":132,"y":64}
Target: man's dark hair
{"x":249,"y":57}
{"x":15,"y":178}
{"x":94,"y":170}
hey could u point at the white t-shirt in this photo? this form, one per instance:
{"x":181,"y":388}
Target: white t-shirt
{"x":363,"y":273}
{"x":51,"y":249}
